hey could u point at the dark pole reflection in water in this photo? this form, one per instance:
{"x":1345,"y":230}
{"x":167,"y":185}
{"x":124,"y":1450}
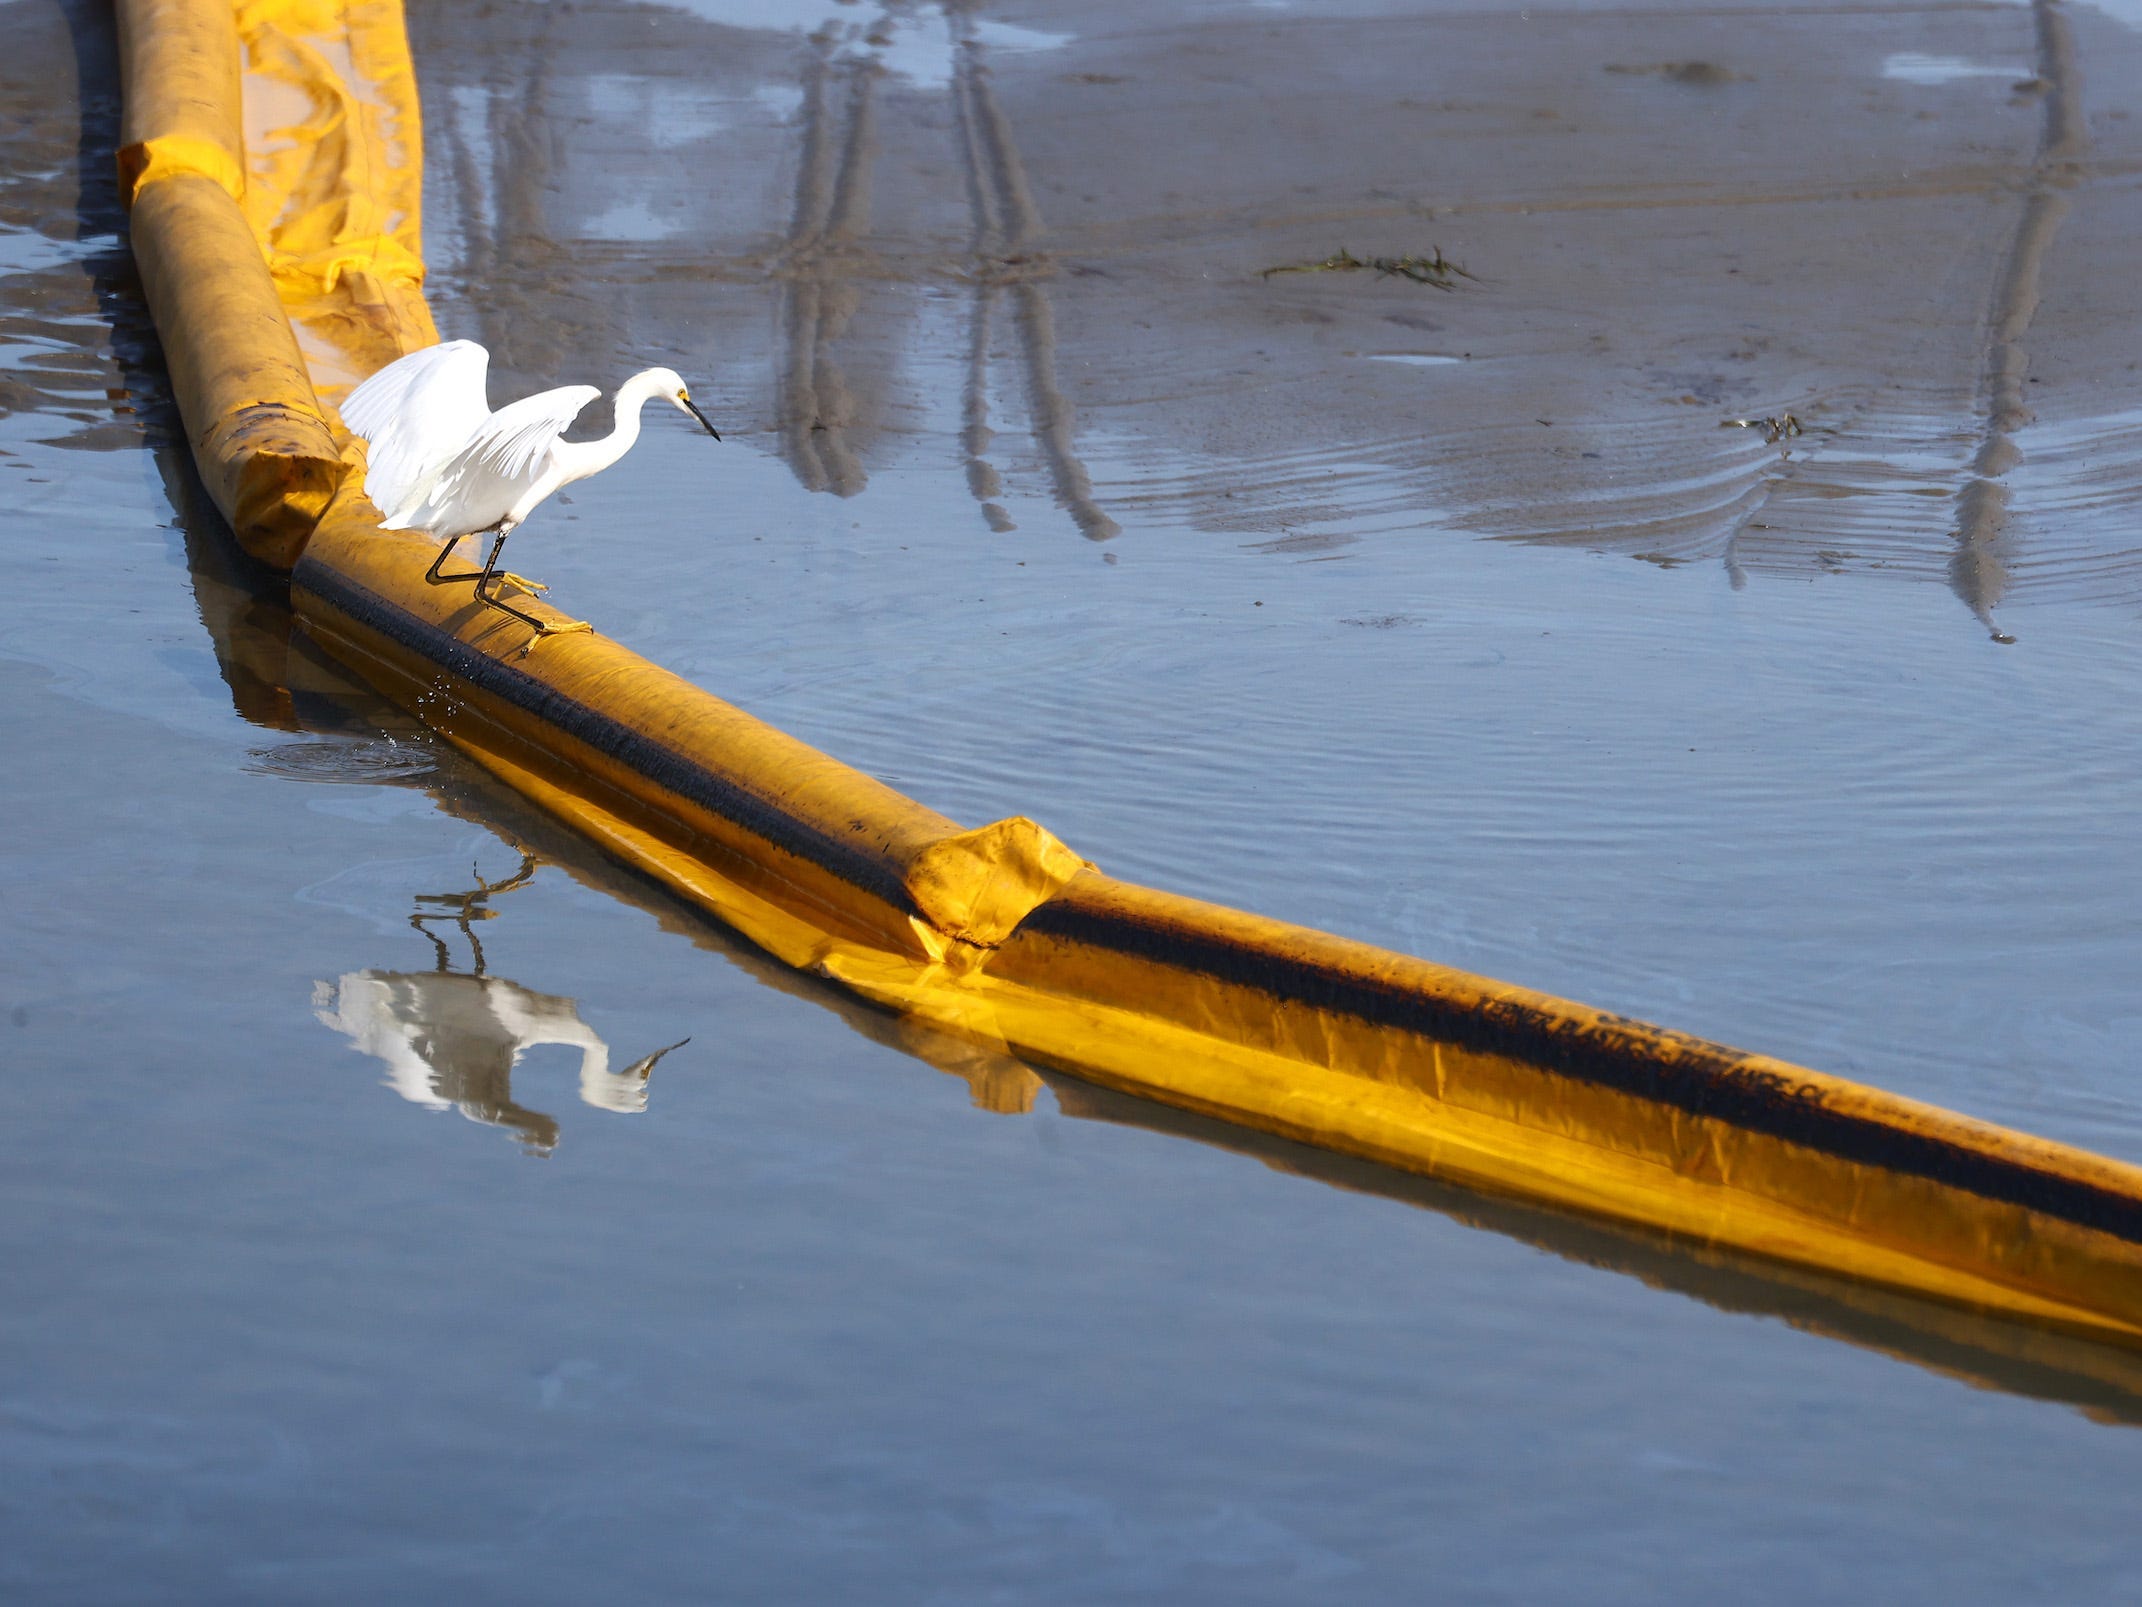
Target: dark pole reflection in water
{"x":1979,"y":571}
{"x":1007,"y":226}
{"x":825,"y":258}
{"x":819,"y":294}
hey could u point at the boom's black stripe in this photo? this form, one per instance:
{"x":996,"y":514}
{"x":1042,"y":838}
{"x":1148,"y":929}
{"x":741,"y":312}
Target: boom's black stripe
{"x":1701,"y":1078}
{"x":852,"y":863}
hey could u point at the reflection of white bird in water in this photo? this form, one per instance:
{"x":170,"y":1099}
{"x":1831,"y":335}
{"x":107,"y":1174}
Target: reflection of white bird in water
{"x":440,"y":460}
{"x":453,"y":1040}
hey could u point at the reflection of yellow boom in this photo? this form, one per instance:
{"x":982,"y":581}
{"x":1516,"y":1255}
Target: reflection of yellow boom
{"x":275,"y":213}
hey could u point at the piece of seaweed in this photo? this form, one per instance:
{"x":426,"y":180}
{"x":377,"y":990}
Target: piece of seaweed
{"x":1438,"y":270}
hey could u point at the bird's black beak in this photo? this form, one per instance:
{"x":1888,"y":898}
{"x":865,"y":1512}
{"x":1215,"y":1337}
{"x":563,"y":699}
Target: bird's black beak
{"x":687,"y":401}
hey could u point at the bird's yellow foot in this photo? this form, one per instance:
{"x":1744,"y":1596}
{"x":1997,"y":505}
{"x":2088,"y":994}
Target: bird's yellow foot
{"x":570,"y":627}
{"x":533,"y":588}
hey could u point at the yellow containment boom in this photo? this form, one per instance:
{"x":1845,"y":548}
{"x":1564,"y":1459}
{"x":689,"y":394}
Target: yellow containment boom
{"x":272,"y":154}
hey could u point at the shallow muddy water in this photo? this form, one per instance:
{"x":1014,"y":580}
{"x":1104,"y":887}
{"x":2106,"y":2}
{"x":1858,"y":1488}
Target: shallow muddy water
{"x":1037,"y":497}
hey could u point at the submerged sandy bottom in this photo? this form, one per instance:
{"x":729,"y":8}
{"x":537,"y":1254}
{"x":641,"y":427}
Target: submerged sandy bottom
{"x":1459,"y":620}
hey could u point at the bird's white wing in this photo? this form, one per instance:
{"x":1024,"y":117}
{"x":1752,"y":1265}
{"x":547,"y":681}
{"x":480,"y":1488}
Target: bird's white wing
{"x":502,"y":461}
{"x":415,"y":415}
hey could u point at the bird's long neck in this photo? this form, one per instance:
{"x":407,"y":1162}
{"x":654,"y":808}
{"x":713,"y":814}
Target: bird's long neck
{"x":583,"y":458}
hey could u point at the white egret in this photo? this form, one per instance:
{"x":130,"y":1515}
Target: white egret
{"x":439,"y":460}
{"x":452,"y":1040}
{"x":455,"y":1038}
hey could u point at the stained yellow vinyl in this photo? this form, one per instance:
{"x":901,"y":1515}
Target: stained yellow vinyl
{"x":275,"y":160}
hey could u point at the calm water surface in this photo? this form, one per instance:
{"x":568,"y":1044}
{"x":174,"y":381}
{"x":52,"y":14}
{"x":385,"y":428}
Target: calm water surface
{"x":814,"y":1308}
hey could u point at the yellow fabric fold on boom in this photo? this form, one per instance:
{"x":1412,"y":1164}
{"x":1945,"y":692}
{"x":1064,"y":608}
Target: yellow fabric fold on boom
{"x":273,"y":155}
{"x":334,"y":143}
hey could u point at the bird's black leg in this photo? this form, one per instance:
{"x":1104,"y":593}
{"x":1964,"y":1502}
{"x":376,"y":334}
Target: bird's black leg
{"x":484,"y":582}
{"x":432,"y":574}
